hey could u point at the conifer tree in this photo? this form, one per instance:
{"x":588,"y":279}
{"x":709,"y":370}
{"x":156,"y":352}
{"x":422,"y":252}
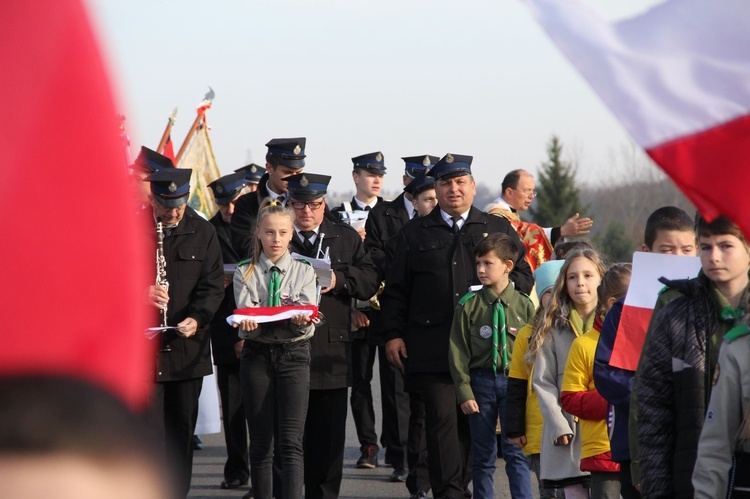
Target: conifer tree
{"x":557,"y":194}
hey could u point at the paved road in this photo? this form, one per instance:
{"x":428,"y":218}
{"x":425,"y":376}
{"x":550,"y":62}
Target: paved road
{"x":358,"y":483}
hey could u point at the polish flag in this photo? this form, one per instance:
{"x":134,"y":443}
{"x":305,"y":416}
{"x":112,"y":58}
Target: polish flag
{"x":263,"y":315}
{"x":639,"y":303}
{"x":678,"y":79}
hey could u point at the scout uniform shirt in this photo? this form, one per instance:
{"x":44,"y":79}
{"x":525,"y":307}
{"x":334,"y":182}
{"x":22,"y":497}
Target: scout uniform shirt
{"x":471,"y":333}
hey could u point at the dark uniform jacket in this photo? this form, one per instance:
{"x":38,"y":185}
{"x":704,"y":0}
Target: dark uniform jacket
{"x":430,"y":272}
{"x":673,"y":385}
{"x":356,"y":276}
{"x":244,"y":217}
{"x":383,"y":224}
{"x":224,"y":336}
{"x":196,"y":287}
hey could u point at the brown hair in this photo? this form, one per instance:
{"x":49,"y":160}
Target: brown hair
{"x":501,"y":245}
{"x":719,"y":227}
{"x":267,"y":207}
{"x":563,"y":247}
{"x":561,"y":303}
{"x":614,"y":283}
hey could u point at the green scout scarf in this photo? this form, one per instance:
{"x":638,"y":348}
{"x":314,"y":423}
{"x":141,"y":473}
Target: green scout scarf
{"x":499,"y":336}
{"x":274,"y":288}
{"x":579,"y":327}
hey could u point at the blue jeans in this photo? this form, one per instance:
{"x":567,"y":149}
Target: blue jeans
{"x":490,"y":391}
{"x":276,"y":387}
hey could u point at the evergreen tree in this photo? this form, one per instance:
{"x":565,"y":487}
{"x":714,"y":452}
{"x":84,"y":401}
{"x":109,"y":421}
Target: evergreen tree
{"x":558,"y":196}
{"x":615,"y":245}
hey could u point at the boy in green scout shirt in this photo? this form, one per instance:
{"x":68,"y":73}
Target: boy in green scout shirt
{"x":481,"y":342}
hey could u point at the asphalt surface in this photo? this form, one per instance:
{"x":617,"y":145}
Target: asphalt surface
{"x":208,"y":465}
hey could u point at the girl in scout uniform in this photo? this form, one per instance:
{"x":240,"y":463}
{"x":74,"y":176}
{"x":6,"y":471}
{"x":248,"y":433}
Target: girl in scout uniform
{"x":275,"y":356}
{"x":571,"y":313}
{"x":580,"y":398}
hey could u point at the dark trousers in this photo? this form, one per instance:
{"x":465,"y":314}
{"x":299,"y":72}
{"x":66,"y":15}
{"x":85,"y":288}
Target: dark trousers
{"x":363,"y":411}
{"x":235,"y":425}
{"x":395,"y":406}
{"x":325,"y":437}
{"x":175,"y":411}
{"x":276,"y":383}
{"x":448,"y":440}
{"x":416,"y":454}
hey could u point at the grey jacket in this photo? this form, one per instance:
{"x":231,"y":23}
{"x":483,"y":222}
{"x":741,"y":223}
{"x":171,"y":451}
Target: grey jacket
{"x":558,"y":462}
{"x":730,"y":401}
{"x":297,"y":288}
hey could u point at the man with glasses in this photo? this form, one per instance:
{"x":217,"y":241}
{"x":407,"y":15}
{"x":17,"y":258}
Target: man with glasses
{"x":517,"y":194}
{"x":353,"y":275}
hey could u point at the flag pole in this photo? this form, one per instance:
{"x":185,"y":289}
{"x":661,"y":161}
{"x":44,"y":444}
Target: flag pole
{"x":167,"y":131}
{"x":199,"y":120}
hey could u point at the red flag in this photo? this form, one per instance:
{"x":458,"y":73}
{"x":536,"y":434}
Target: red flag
{"x":74,"y":272}
{"x":678,"y":78}
{"x":169,"y":149}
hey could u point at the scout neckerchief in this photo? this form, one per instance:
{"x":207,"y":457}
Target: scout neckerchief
{"x":274,"y":287}
{"x":499,"y":335}
{"x":577,"y":323}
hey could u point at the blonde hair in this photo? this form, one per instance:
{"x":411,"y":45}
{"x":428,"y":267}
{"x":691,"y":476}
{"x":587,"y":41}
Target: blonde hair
{"x":267,"y":207}
{"x":559,"y":307}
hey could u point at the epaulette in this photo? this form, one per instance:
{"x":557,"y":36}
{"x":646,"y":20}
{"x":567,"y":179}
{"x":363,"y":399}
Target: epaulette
{"x":466,"y":297}
{"x":737,"y":331}
{"x":665,"y":288}
{"x":305,"y":261}
{"x":244,"y":262}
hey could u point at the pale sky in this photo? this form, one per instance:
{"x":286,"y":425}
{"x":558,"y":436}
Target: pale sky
{"x":407,"y":77}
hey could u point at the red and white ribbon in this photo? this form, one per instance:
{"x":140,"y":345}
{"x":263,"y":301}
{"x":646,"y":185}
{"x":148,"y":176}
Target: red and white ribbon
{"x":263,"y":315}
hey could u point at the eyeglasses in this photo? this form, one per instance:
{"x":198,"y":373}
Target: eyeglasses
{"x":300,"y":205}
{"x":526,"y":192}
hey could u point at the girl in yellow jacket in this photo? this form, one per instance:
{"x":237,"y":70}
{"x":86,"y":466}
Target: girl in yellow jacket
{"x":580,"y":398}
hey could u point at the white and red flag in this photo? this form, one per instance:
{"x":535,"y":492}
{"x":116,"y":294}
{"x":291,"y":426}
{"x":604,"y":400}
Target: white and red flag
{"x":263,"y":315}
{"x":639,"y":303}
{"x":678,"y":79}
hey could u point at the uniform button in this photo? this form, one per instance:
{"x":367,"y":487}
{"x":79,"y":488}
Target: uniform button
{"x":427,"y":321}
{"x":456,"y":294}
{"x":193,"y":257}
{"x":159,"y":373}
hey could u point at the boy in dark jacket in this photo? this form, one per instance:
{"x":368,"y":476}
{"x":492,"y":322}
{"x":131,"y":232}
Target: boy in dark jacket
{"x":669,"y":230}
{"x":674,"y":375}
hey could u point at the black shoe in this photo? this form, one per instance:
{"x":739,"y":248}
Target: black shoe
{"x":197,"y":443}
{"x":233,"y":483}
{"x":399,"y":475}
{"x":369,"y":458}
{"x":249,"y":495}
{"x":420,"y":494}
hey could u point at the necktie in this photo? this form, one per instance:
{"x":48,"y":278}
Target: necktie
{"x":274,"y":287}
{"x":499,"y":337}
{"x":367,"y":208}
{"x":456,"y":219}
{"x":307,"y":243}
{"x":281,"y":199}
